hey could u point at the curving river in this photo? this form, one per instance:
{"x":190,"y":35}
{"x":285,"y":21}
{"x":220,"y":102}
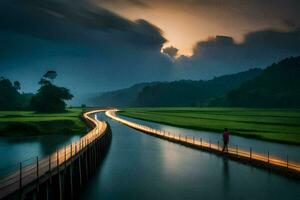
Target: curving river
{"x":140,"y":166}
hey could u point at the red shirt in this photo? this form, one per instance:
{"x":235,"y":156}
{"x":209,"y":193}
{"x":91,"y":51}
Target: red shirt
{"x":226,"y":136}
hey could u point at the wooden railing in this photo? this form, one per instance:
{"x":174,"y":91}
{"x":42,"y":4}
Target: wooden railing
{"x":34,"y":169}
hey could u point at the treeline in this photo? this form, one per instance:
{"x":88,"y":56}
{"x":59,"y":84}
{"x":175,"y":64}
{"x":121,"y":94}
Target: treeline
{"x":11,"y":98}
{"x":49,"y":98}
{"x":176,"y":93}
{"x":192,"y":93}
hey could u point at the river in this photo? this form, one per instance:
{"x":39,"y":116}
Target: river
{"x":140,"y":166}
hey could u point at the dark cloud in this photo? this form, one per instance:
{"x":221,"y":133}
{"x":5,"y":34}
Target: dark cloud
{"x":74,"y":20}
{"x":171,"y":51}
{"x":139,"y":3}
{"x":221,"y":54}
{"x":289,"y":23}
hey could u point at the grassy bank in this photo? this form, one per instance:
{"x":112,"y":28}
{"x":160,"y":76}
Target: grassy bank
{"x":280,"y":125}
{"x":27,"y":123}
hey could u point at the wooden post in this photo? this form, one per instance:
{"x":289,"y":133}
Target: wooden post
{"x":201,"y":142}
{"x":71,"y":180}
{"x":250,"y":153}
{"x":37,"y":167}
{"x":86,"y":164}
{"x":57,"y":160}
{"x":65,"y":157}
{"x":49,"y":160}
{"x":209,"y":144}
{"x":91,"y":157}
{"x":186,"y":138}
{"x":37,"y":172}
{"x":237,"y":150}
{"x":58,"y":174}
{"x":95,"y":154}
{"x":193,"y":140}
{"x":20,"y":181}
{"x":79,"y":168}
{"x":60,"y":186}
{"x":50,"y":171}
{"x":99,"y":149}
{"x":47,"y":191}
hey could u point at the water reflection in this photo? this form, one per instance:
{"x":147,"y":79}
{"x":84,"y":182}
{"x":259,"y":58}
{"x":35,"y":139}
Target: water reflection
{"x":15,"y":150}
{"x":226,"y":174}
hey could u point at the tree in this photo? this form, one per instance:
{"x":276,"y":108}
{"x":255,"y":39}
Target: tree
{"x":50,"y":98}
{"x":51,"y":75}
{"x":48,"y":77}
{"x":10,"y":97}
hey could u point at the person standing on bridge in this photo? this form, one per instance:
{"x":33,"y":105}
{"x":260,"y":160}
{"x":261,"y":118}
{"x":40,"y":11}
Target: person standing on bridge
{"x":225,"y":140}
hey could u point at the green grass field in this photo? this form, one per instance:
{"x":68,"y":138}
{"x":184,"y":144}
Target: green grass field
{"x":27,"y":123}
{"x":280,"y":125}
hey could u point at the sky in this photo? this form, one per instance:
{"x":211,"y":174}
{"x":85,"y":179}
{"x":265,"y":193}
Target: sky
{"x":101,"y":45}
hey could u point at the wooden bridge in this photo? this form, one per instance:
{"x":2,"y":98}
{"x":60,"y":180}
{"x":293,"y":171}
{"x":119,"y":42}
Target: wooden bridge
{"x":61,"y":174}
{"x":250,"y":157}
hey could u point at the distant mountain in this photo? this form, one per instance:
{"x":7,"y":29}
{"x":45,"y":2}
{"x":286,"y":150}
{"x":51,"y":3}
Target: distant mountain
{"x":277,"y":86}
{"x":118,"y":98}
{"x":192,"y":93}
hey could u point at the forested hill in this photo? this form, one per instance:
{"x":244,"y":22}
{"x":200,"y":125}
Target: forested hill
{"x":118,"y":98}
{"x":277,"y":86}
{"x":192,"y":93}
{"x":177,"y":93}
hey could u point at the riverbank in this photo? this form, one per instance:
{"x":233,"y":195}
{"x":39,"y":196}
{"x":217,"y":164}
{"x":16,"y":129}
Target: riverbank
{"x":278,"y":125}
{"x":28,"y":123}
